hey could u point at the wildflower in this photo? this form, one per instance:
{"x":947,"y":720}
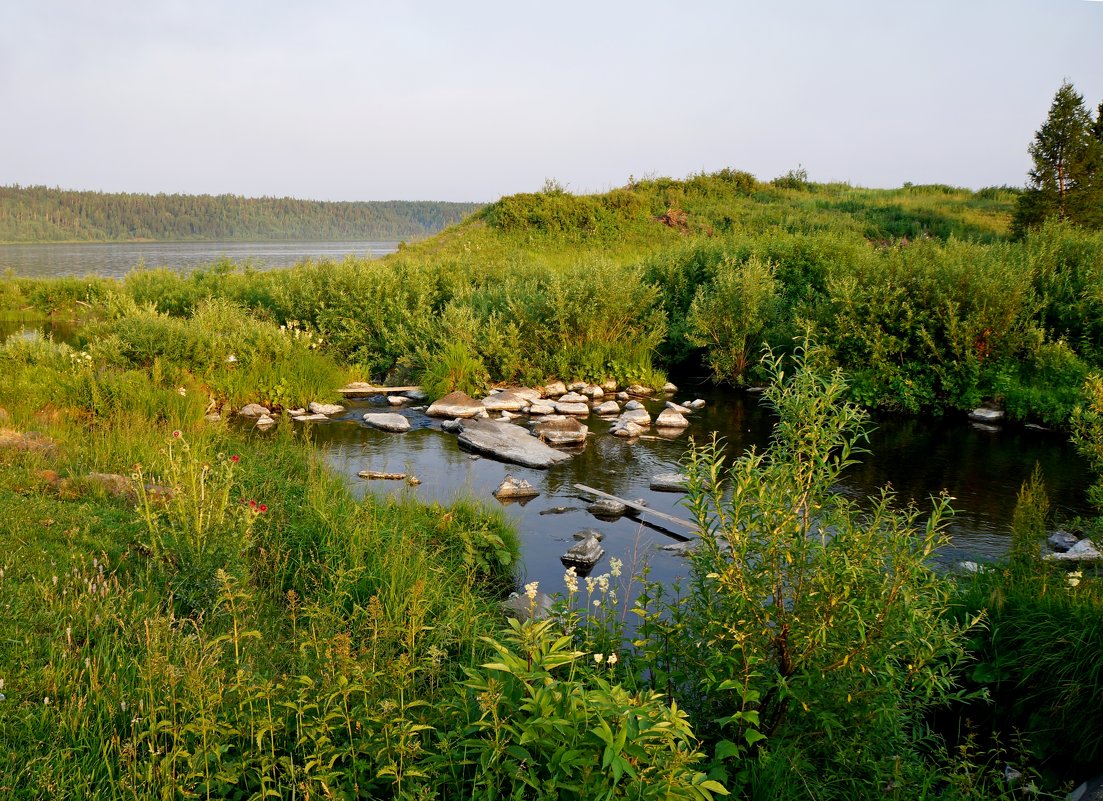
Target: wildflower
{"x":570,"y":578}
{"x":235,"y":458}
{"x":182,"y":392}
{"x":1074,"y":577}
{"x":530,"y":589}
{"x":613,"y":658}
{"x":46,"y":701}
{"x":614,"y":567}
{"x":591,"y":584}
{"x":262,"y":508}
{"x":177,"y":434}
{"x":599,"y":658}
{"x":252,"y":504}
{"x":597,"y":602}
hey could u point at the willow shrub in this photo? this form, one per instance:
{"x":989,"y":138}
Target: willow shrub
{"x":812,"y":634}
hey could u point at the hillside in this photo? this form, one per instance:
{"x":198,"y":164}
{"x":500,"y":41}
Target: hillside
{"x":41,"y":214}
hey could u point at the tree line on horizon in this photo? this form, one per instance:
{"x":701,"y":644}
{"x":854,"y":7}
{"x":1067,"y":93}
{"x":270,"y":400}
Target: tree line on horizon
{"x":44,"y":214}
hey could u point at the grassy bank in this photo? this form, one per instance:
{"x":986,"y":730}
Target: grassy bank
{"x":918,"y":293}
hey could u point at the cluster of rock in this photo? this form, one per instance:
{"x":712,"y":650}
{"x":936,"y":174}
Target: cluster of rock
{"x":557,"y":410}
{"x":1070,"y":549}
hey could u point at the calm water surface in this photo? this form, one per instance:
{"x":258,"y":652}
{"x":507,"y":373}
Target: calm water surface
{"x":116,"y":259}
{"x":982,"y":470}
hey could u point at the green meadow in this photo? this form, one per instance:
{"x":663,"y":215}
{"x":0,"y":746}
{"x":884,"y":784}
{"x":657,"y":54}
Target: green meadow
{"x":191,"y":611}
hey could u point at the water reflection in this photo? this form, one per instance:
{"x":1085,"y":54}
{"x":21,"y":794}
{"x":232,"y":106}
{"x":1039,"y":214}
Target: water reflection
{"x":918,"y":458}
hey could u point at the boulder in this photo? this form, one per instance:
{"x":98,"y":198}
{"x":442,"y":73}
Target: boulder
{"x":607,"y":409}
{"x":416,"y":394}
{"x":576,"y":386}
{"x":575,"y":409}
{"x":609,"y":385}
{"x":607,"y":508}
{"x":311,"y":418}
{"x":674,"y":407}
{"x":696,"y":404}
{"x":541,"y":408}
{"x":379,"y":475}
{"x":642,"y":391}
{"x":623,"y":396}
{"x":452,"y":426}
{"x":638,"y":416}
{"x":357,"y":389}
{"x":397,"y":400}
{"x":583,"y":556}
{"x":522,"y":607}
{"x":456,"y":404}
{"x":560,"y":430}
{"x":297,"y":412}
{"x":528,"y":393}
{"x":626,"y":429}
{"x":114,"y":485}
{"x":507,"y":416}
{"x":633,"y":405}
{"x":507,"y":401}
{"x":669,"y":482}
{"x":29,"y":442}
{"x":1061,"y":541}
{"x":669,"y":388}
{"x":668,"y":418}
{"x":572,"y":397}
{"x":592,"y":391}
{"x":509,"y":443}
{"x":254,"y":410}
{"x":1082,"y":551}
{"x":986,"y":415}
{"x":587,"y":533}
{"x":555,"y":389}
{"x":325,"y":408}
{"x":515,"y":488}
{"x":264,"y":422}
{"x":387,"y":421}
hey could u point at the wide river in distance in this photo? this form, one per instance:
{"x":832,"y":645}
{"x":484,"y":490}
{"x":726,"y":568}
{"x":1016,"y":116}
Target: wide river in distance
{"x":116,"y":259}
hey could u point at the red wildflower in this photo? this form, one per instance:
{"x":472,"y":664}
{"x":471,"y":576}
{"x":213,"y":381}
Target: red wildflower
{"x":176,"y":434}
{"x":263,"y":507}
{"x":252,"y":504}
{"x":235,"y":458}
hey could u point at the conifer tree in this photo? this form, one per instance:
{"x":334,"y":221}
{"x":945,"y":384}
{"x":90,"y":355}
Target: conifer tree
{"x":1066,"y":159}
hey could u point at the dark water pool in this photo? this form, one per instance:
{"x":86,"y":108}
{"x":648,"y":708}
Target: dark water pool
{"x":982,"y":470}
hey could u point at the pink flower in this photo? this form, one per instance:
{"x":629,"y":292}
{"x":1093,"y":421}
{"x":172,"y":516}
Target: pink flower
{"x":176,"y":434}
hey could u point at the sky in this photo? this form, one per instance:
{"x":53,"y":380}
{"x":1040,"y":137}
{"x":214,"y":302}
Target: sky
{"x":428,"y":100}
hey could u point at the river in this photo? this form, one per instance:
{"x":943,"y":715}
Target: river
{"x":982,"y":469}
{"x":116,"y":259}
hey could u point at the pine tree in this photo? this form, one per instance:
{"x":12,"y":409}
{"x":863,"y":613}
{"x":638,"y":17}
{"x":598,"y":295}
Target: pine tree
{"x":1065,"y":153}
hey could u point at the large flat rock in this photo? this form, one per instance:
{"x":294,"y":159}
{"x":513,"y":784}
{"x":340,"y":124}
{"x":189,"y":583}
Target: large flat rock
{"x":456,"y":404}
{"x":509,"y":443}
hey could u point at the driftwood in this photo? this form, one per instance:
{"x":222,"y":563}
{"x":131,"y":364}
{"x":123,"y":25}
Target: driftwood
{"x":638,"y":507}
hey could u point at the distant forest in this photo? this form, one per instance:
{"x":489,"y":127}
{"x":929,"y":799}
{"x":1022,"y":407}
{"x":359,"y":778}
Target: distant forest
{"x":41,"y":214}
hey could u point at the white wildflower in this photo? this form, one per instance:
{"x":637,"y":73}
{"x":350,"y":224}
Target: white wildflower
{"x":570,"y":578}
{"x":599,"y":658}
{"x":613,"y":659}
{"x":1074,"y":577}
{"x":530,"y":589}
{"x":614,"y":567}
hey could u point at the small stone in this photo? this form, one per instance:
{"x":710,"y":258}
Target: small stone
{"x":626,"y":429}
{"x":669,"y":388}
{"x":669,"y":482}
{"x":623,"y":396}
{"x":607,"y":508}
{"x":297,"y":412}
{"x":397,"y":400}
{"x":1082,"y":551}
{"x":587,"y":533}
{"x":387,"y":421}
{"x":575,"y":409}
{"x":506,"y":401}
{"x":254,"y":410}
{"x":1061,"y":540}
{"x":541,"y":408}
{"x":213,"y":417}
{"x":638,"y":416}
{"x":679,"y":548}
{"x":522,"y":608}
{"x":696,"y":404}
{"x":583,"y":556}
{"x":572,"y":397}
{"x":325,"y":408}
{"x":452,"y":426}
{"x":592,"y":391}
{"x":674,"y":407}
{"x":377,"y":475}
{"x":985,"y":414}
{"x":633,"y":405}
{"x":515,"y":488}
{"x":607,"y":409}
{"x":457,"y":404}
{"x":555,"y":389}
{"x":639,"y":389}
{"x":558,"y":430}
{"x":311,"y":418}
{"x":416,"y":394}
{"x":576,"y":386}
{"x":668,"y":418}
{"x":265,"y":422}
{"x":609,"y":385}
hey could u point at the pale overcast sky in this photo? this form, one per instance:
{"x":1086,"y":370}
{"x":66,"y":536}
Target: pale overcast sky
{"x":358,"y":100}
